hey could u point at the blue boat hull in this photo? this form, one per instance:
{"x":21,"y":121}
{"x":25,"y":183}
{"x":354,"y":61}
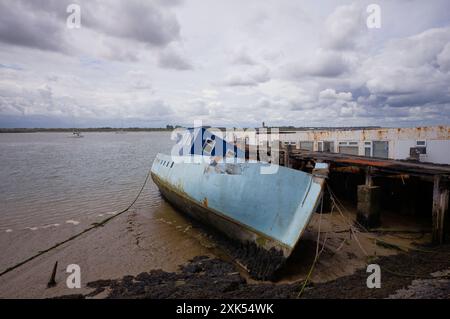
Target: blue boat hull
{"x":270,"y":211}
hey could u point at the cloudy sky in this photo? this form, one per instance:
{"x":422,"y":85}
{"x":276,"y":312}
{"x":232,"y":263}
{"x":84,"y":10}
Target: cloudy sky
{"x":228,"y":63}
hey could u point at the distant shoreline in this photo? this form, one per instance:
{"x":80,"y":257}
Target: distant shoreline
{"x":84,"y":130}
{"x":166,"y":129}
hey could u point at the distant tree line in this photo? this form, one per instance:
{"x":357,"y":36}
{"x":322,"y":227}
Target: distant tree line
{"x":168,"y":128}
{"x":91,"y":129}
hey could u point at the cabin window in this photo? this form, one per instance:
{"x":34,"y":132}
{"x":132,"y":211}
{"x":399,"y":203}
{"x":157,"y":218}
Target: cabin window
{"x":209,"y":145}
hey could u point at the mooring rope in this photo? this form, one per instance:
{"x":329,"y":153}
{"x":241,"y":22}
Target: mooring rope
{"x":96,"y":225}
{"x":336,"y":201}
{"x":318,"y":252}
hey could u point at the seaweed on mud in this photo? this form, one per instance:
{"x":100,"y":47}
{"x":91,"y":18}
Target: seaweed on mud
{"x":205,"y":277}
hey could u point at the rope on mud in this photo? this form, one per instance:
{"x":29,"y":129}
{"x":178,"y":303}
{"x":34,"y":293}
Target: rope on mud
{"x":401,"y":247}
{"x":96,"y":225}
{"x":318,"y":253}
{"x":334,"y":199}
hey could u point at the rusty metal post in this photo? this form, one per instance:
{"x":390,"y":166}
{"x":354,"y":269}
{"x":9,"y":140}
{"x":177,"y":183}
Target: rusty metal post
{"x":440,"y":205}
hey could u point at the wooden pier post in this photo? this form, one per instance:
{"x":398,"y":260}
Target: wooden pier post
{"x":440,"y":205}
{"x":52,"y":281}
{"x":368,"y":203}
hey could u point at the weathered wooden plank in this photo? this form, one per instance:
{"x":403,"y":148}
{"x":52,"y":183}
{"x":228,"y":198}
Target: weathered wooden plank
{"x":440,"y":205}
{"x":424,"y":170}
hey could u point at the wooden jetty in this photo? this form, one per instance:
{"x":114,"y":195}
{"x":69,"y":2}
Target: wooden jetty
{"x":367,"y":193}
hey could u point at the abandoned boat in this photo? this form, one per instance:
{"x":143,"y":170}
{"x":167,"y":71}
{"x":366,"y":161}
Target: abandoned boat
{"x":211,"y":180}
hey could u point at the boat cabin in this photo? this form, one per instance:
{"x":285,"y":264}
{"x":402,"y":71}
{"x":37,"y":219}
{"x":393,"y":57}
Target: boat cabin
{"x":206,"y":142}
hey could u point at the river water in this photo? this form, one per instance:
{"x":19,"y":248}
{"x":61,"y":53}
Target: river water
{"x":54,"y":186}
{"x":50,"y":178}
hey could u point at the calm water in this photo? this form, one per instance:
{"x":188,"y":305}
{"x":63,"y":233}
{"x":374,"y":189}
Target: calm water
{"x":54,"y":186}
{"x":50,"y":178}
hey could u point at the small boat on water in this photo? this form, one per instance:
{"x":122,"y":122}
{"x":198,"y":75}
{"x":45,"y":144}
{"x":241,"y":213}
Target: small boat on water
{"x":77,"y":134}
{"x":210,"y":180}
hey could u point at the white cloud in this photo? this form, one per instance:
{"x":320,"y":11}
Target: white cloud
{"x":322,"y":64}
{"x":252,"y":77}
{"x":171,"y":58}
{"x":344,"y":26}
{"x":331,"y":94}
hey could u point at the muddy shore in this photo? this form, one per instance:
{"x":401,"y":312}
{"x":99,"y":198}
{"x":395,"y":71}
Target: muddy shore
{"x":123,"y":260}
{"x":406,"y":275}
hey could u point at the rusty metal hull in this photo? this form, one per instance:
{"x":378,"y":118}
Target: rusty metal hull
{"x":270,"y":210}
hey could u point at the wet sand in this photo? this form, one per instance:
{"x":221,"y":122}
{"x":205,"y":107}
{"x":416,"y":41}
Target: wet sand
{"x":129,"y":244}
{"x":163,"y":254}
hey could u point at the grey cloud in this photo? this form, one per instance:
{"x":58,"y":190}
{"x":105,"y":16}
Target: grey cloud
{"x":411,"y":72}
{"x":142,"y":85}
{"x":251,"y":78}
{"x":172,"y":59}
{"x":170,"y":3}
{"x":142,"y":21}
{"x":24,"y":27}
{"x":443,"y":58}
{"x":11,"y":67}
{"x":242,"y":57}
{"x":42,"y":24}
{"x":331,"y":94}
{"x":343,"y":27}
{"x":119,"y":51}
{"x":197,"y":107}
{"x":323,"y":64}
